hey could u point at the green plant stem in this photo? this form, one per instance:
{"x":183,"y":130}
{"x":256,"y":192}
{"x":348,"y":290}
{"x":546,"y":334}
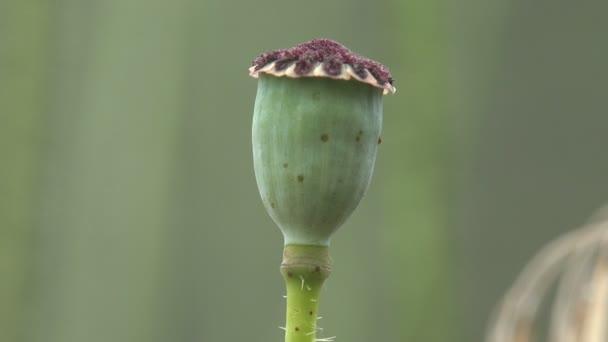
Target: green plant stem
{"x":304,"y":269}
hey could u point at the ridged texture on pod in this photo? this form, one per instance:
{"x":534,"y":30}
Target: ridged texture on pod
{"x":314,"y":148}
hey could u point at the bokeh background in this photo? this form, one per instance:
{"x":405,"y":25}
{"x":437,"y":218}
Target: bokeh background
{"x":128,"y":205}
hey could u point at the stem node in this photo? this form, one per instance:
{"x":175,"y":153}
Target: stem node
{"x":304,"y":269}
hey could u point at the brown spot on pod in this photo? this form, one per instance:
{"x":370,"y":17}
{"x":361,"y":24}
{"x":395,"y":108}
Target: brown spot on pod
{"x":324,"y":137}
{"x":358,"y":137}
{"x":301,"y":178}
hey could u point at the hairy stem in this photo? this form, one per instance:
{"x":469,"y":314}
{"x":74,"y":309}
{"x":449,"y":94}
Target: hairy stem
{"x":304,"y":269}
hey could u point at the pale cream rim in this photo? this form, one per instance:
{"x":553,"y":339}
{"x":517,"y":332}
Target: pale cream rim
{"x":347,"y":73}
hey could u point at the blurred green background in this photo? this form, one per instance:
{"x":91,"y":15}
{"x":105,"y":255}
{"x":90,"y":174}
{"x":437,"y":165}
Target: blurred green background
{"x":128,"y":205}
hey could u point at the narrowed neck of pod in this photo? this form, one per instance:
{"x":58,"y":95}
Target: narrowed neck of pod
{"x":304,"y":269}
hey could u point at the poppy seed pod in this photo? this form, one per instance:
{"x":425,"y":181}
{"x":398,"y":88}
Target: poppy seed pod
{"x":316,"y":128}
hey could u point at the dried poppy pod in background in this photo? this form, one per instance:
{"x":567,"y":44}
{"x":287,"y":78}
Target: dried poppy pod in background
{"x":316,"y":127}
{"x":561,"y":295}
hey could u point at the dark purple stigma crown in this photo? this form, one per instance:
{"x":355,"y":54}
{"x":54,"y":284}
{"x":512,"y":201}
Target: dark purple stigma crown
{"x":322,"y":58}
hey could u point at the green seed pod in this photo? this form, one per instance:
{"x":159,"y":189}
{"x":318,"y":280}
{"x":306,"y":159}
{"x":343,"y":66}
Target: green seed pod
{"x":316,"y":128}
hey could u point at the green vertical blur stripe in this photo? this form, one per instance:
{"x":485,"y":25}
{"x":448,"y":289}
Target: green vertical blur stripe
{"x":115,"y":94}
{"x":418,"y":231}
{"x":23,"y":48}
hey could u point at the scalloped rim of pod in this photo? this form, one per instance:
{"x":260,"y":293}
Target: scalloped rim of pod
{"x":323,"y":58}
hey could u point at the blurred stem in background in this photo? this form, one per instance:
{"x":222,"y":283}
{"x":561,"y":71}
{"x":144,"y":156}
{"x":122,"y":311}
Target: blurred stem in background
{"x":97,"y":261}
{"x":419,"y":229}
{"x":23,"y":53}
